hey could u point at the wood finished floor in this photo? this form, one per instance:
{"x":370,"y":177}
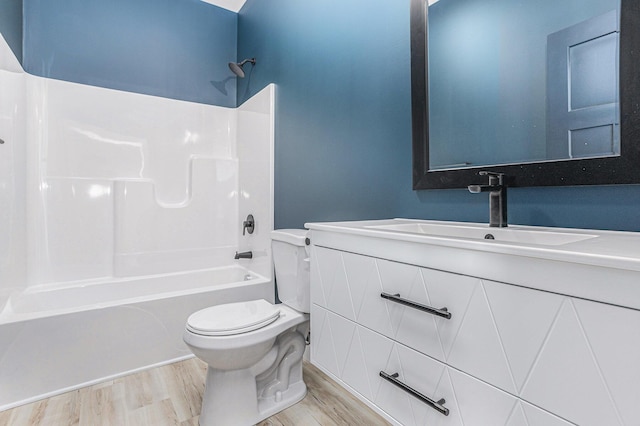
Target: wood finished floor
{"x":172,"y":395}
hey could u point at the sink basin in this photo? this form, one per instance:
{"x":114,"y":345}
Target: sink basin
{"x":484,"y":232}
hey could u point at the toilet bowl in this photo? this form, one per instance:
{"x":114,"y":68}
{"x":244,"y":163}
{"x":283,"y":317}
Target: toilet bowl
{"x":254,"y":349}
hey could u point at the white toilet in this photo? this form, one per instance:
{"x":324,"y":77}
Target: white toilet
{"x":254,"y":349}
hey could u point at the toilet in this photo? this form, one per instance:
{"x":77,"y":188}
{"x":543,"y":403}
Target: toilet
{"x":254,"y":349}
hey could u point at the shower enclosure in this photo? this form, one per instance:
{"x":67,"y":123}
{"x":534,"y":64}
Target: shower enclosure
{"x":121,"y":214}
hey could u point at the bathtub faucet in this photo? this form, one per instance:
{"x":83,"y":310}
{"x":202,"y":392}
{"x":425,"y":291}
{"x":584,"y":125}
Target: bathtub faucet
{"x":243,"y":255}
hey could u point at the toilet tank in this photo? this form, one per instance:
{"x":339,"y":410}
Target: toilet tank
{"x":291,"y":263}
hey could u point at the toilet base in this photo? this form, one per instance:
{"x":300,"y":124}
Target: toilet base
{"x":269,"y":406}
{"x":247,"y":396}
{"x":241,"y":407}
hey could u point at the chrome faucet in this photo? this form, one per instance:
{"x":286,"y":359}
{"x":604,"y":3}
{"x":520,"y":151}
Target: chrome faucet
{"x":497,"y":189}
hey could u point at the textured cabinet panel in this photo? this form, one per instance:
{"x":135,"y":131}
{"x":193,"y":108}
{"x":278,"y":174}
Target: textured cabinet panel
{"x":393,"y":400}
{"x":560,"y":353}
{"x":579,"y":373}
{"x":317,"y":288}
{"x":477,"y":348}
{"x":430,"y":378}
{"x":528,"y":353}
{"x":566,"y":379}
{"x":503,"y":330}
{"x":534,"y":416}
{"x":368,"y":352}
{"x":470,"y":401}
{"x":614,"y":336}
{"x":329,"y":284}
{"x":351,"y":285}
{"x":525,"y":414}
{"x":322,"y":352}
{"x":365,"y":288}
{"x":479,"y":403}
{"x":523,"y":318}
{"x":453,"y":292}
{"x":409,"y":325}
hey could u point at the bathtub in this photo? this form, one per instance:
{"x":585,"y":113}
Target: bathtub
{"x":66,"y":336}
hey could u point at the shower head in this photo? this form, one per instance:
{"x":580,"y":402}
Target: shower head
{"x":236,"y":67}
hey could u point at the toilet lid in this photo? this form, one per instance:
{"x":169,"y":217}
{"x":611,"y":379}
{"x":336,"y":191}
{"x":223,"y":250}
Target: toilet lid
{"x":233,"y":318}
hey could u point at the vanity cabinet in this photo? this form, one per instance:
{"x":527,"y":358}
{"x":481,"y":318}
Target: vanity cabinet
{"x":496,"y":352}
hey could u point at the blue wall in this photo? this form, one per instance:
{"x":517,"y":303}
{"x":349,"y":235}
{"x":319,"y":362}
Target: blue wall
{"x":343,"y":130}
{"x":343,"y":113}
{"x":343,"y":123}
{"x":11,"y":25}
{"x":176,"y":49}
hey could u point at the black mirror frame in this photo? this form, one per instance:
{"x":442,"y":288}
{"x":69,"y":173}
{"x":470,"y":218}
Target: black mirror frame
{"x":623,"y":169}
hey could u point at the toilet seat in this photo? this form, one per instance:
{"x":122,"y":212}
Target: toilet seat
{"x":233,"y":318}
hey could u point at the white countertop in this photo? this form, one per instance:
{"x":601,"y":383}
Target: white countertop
{"x":611,"y":249}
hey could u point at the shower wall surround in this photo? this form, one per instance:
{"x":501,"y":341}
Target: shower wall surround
{"x":108,"y":164}
{"x":129,"y":184}
{"x":125,"y":174}
{"x":12,"y":174}
{"x":121,"y":216}
{"x":105,"y":183}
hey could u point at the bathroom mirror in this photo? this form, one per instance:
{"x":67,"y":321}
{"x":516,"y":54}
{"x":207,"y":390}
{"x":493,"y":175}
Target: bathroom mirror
{"x":547,"y":99}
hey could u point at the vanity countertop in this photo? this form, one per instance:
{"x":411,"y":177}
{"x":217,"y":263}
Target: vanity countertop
{"x":611,"y":249}
{"x":596,"y":265}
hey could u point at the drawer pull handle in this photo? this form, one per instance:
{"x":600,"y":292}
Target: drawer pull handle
{"x":442,"y":312}
{"x":436,"y":405}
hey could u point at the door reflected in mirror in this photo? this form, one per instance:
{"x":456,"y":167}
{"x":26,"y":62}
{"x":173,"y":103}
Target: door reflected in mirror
{"x":546,"y":99}
{"x":514,"y":82}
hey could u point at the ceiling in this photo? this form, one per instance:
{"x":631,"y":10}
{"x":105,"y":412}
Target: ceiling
{"x":236,"y":5}
{"x":232,"y":5}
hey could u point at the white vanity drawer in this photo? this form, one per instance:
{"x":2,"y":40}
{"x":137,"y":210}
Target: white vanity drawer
{"x":572,"y":357}
{"x":353,"y":286}
{"x":356,"y":356}
{"x":560,"y":353}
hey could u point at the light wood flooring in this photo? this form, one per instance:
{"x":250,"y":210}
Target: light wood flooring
{"x":172,"y":395}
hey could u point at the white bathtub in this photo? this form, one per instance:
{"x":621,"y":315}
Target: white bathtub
{"x":63,"y":337}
